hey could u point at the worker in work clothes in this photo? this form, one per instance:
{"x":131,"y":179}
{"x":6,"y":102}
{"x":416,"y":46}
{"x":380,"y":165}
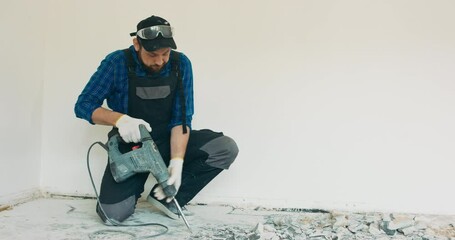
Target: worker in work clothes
{"x":150,"y":83}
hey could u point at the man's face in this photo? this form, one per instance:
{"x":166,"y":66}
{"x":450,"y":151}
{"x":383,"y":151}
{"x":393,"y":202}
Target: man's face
{"x":155,"y":60}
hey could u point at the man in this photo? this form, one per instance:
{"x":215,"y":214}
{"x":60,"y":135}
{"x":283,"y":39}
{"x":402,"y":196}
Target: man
{"x":151,"y":84}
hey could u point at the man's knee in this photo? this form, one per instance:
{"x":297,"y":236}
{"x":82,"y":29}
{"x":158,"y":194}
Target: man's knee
{"x":221,"y":151}
{"x":117,"y":211}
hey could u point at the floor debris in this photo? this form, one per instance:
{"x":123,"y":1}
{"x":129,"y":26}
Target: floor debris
{"x":74,"y":219}
{"x":332,"y":226}
{"x":5,"y":207}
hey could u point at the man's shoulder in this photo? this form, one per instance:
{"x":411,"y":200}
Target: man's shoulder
{"x":184,"y":60}
{"x":117,"y":56}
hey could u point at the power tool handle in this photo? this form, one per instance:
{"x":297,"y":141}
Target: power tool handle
{"x":169,"y":190}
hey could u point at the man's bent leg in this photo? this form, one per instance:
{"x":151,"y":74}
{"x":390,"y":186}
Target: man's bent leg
{"x":119,"y":199}
{"x":116,"y":211}
{"x":208,"y":154}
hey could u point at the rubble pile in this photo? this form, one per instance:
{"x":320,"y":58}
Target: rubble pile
{"x":332,"y":226}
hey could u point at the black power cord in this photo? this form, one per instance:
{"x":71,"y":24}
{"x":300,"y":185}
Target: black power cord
{"x":112,"y":221}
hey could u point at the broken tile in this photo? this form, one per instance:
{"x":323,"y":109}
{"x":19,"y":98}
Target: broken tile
{"x":374,"y":229}
{"x":383,"y":238}
{"x":372,"y":218}
{"x":269,"y":228}
{"x":386,"y":217}
{"x":385,"y":227}
{"x":340,"y":221}
{"x":408,"y":231}
{"x":355,"y":226}
{"x":259,"y":229}
{"x":401,"y":223}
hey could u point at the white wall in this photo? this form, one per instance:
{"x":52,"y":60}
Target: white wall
{"x":22,"y":47}
{"x":334,"y":104}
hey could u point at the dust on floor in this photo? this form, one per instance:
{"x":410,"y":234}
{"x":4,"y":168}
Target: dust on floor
{"x":74,"y":219}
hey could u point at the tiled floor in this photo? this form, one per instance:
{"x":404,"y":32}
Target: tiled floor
{"x":67,"y":218}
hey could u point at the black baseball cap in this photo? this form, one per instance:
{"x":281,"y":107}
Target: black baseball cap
{"x":158,"y":42}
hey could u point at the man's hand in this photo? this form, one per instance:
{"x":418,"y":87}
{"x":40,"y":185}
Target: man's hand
{"x":175,"y":178}
{"x":128,"y":128}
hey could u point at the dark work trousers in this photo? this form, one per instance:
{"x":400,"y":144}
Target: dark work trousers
{"x":207,"y":154}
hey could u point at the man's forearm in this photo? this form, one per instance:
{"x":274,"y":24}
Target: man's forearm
{"x":179,"y":141}
{"x":105,"y":116}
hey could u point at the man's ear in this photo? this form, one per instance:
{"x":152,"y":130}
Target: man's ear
{"x":136,"y":44}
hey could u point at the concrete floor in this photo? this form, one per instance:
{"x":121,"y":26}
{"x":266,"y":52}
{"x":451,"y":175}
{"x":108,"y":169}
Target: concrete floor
{"x":50,"y":218}
{"x":68,"y":218}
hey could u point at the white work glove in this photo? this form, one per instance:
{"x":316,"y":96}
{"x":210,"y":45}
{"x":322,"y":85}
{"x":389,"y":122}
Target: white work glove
{"x":128,"y":128}
{"x":175,"y":178}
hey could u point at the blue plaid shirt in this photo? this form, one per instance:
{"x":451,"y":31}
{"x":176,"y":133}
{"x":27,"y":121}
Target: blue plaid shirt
{"x":110,"y":82}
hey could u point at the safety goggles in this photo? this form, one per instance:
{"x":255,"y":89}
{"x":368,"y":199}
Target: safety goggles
{"x":153,"y":31}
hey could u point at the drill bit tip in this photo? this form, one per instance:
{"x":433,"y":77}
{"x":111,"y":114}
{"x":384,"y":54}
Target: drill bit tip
{"x":181,"y":214}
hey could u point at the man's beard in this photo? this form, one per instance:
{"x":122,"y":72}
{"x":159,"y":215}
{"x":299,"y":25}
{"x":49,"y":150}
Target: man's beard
{"x":149,"y":69}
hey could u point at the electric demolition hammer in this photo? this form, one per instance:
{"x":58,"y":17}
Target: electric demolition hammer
{"x":146,"y":158}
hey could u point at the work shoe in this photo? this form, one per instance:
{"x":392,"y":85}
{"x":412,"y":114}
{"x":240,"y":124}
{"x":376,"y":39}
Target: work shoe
{"x":185,"y":211}
{"x":168,"y":209}
{"x":163,"y":206}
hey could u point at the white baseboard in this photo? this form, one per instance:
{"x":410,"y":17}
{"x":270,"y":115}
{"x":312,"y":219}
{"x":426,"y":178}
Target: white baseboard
{"x":13,"y":199}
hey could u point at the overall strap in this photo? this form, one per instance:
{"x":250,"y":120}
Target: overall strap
{"x":129,"y":61}
{"x":175,"y":56}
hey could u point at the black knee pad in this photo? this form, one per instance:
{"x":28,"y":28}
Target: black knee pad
{"x":117,"y":211}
